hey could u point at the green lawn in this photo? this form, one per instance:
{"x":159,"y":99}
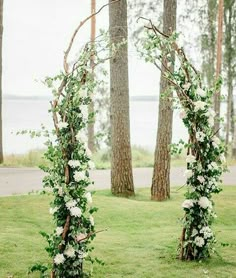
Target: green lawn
{"x":140,"y":242}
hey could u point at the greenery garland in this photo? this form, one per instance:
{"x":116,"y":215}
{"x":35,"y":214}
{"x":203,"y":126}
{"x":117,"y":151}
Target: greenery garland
{"x":205,"y":151}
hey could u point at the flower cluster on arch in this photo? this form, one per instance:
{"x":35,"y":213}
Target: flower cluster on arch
{"x":205,"y":150}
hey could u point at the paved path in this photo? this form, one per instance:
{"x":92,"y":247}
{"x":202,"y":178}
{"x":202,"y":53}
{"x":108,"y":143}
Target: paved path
{"x":24,"y":180}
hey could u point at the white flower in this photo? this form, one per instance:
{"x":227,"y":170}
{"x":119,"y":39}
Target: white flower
{"x":182,"y":114}
{"x":214,"y":165}
{"x":201,"y":179}
{"x":91,"y":219}
{"x":207,"y":232}
{"x":91,"y":165}
{"x":81,"y":137}
{"x":88,"y":196}
{"x":75,"y":211}
{"x":215,"y":142}
{"x":84,"y":111}
{"x":210,"y":113}
{"x":59,"y":259}
{"x":222,"y":158}
{"x":188,"y":173}
{"x":211,"y":121}
{"x":199,"y":241}
{"x":80,"y":237}
{"x":200,"y":92}
{"x":74,"y":163}
{"x":60,"y":191}
{"x":81,"y":254}
{"x":59,"y":231}
{"x":78,"y":176}
{"x":61,"y":125}
{"x":199,"y":105}
{"x":71,"y":204}
{"x":70,"y":251}
{"x":204,"y":202}
{"x":53,"y":210}
{"x":188,"y":204}
{"x":186,"y":86}
{"x":190,"y":158}
{"x":200,"y":136}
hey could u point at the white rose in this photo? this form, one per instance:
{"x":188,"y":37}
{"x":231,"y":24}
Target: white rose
{"x":75,"y":211}
{"x":204,"y":202}
{"x":190,"y":158}
{"x":61,"y":125}
{"x":74,"y":163}
{"x":70,"y":251}
{"x":207,"y":232}
{"x":59,"y":231}
{"x":59,"y":259}
{"x":199,"y":241}
{"x":201,"y":179}
{"x":188,"y":204}
{"x":71,"y":204}
{"x":89,"y":198}
{"x":200,"y":92}
{"x":188,"y":173}
{"x":199,"y":105}
{"x":78,"y":176}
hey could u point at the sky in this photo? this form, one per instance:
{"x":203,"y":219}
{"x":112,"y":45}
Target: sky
{"x":36,"y":34}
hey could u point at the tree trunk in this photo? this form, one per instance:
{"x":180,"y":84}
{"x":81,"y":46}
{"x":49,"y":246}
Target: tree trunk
{"x":121,"y":163}
{"x":1,"y":34}
{"x":218,"y":62}
{"x":91,"y":132}
{"x":160,"y":189}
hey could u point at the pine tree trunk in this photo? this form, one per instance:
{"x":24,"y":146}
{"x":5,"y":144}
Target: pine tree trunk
{"x":121,"y":164}
{"x":219,"y":62}
{"x":91,"y":131}
{"x":160,"y":189}
{"x":1,"y":35}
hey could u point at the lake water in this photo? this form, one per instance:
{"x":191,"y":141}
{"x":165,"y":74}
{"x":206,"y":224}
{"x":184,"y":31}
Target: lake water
{"x":29,"y":114}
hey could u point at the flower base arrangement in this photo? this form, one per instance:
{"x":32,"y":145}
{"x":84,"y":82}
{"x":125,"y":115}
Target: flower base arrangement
{"x":205,"y":151}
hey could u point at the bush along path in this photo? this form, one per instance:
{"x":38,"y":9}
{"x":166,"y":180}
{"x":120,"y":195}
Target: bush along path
{"x":205,"y":151}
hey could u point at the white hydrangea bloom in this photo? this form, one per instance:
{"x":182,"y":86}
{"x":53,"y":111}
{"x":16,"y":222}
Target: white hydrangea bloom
{"x":91,"y":219}
{"x":200,"y":136}
{"x":79,"y":175}
{"x":190,"y":158}
{"x":201,"y":92}
{"x":70,"y":251}
{"x":188,"y":173}
{"x":199,"y":105}
{"x":204,"y":202}
{"x":81,"y":137}
{"x":186,"y":86}
{"x":201,"y":179}
{"x":207,"y":232}
{"x":61,"y":125}
{"x":89,"y":198}
{"x":59,"y":231}
{"x":59,"y":259}
{"x":199,"y":241}
{"x":75,"y":211}
{"x":53,"y":210}
{"x":188,"y":203}
{"x":74,"y":163}
{"x":71,"y":204}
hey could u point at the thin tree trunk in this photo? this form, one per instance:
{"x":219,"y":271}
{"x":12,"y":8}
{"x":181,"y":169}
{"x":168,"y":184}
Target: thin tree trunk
{"x":121,"y":163}
{"x":91,"y":132}
{"x":1,"y":35}
{"x":160,"y":189}
{"x":219,"y":62}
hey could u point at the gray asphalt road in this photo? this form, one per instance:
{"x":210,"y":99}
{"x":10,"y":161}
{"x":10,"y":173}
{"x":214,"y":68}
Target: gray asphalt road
{"x":24,"y":180}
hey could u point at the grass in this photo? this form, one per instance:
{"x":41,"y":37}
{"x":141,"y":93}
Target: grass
{"x":140,"y":242}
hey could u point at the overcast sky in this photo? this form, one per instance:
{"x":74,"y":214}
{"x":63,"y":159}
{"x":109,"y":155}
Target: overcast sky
{"x":36,"y":32}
